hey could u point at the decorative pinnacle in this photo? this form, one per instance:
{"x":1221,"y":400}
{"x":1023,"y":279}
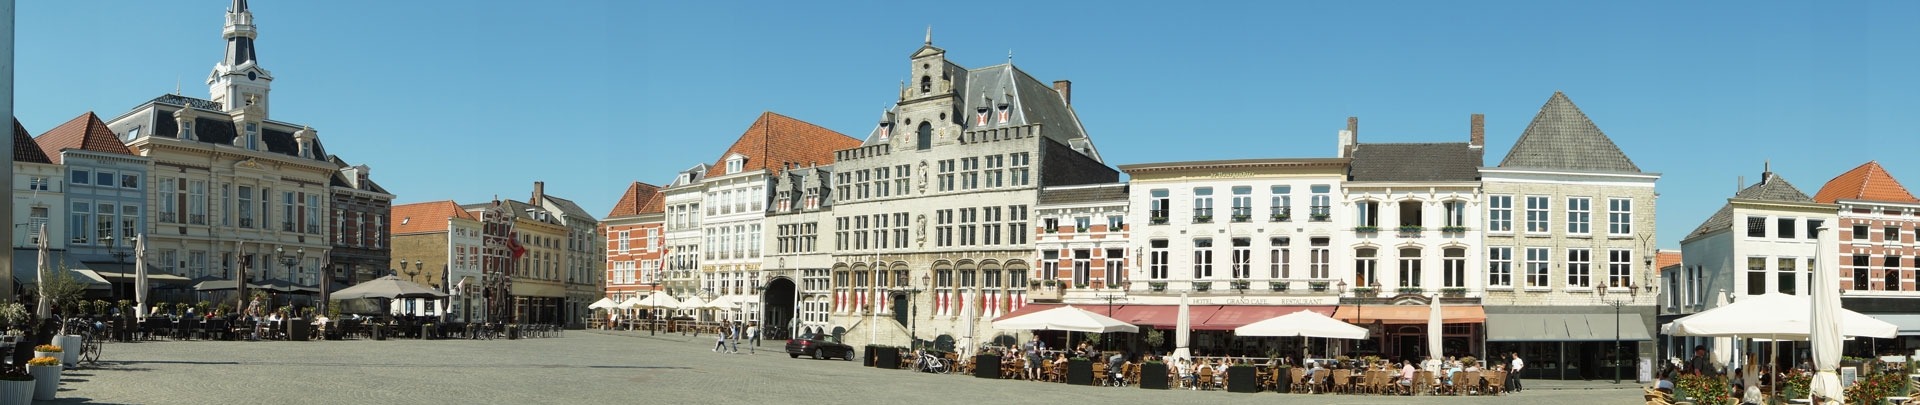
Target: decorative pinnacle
{"x":929,"y":34}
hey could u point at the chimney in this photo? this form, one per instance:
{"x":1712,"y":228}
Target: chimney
{"x":1739,"y":183}
{"x":1065,"y":88}
{"x":1353,"y":129}
{"x":1477,"y":131}
{"x":539,"y":192}
{"x":1346,"y":143}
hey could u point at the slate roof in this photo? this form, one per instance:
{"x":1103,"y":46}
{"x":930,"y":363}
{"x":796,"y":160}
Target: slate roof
{"x":570,"y":209}
{"x":1771,"y":187}
{"x":85,"y":132}
{"x":775,"y":140}
{"x":1868,"y":182}
{"x":426,"y":217}
{"x":218,"y":128}
{"x":24,"y":148}
{"x":640,"y":198}
{"x":1029,"y":101}
{"x":339,"y":179}
{"x":1446,"y":161}
{"x":1116,"y":192}
{"x":1563,"y":138}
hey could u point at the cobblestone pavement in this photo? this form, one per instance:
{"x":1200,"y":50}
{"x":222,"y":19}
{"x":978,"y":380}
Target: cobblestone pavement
{"x":607,"y":367}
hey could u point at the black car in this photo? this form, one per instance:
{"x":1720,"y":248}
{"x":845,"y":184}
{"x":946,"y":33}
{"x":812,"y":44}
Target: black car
{"x":820,"y":346}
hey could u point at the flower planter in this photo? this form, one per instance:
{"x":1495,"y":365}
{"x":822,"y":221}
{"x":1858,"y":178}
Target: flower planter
{"x":70,"y":346}
{"x":46,"y":381}
{"x":426,"y":331}
{"x":869,"y":352}
{"x":1285,"y":384}
{"x":1241,"y":379}
{"x":1153,"y":376}
{"x":513,"y":332}
{"x":889,"y":358}
{"x":379,"y":332}
{"x":297,"y":329}
{"x":986,"y":366}
{"x":1079,"y":372}
{"x":57,"y":355}
{"x":16,"y":392}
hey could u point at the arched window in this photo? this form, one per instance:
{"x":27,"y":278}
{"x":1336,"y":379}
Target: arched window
{"x":926,"y":84}
{"x":926,"y":135}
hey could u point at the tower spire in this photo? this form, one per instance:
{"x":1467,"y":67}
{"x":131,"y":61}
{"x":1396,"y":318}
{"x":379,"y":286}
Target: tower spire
{"x":238,"y":82}
{"x":929,"y":34}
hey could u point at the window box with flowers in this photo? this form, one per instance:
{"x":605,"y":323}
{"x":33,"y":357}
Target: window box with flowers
{"x":1366,"y":291}
{"x":1317,"y":286}
{"x":1157,"y":221}
{"x":1157,"y":285}
{"x":1080,"y":286}
{"x":1412,"y":228}
{"x":1366,"y":229}
{"x":1278,"y":286}
{"x":1453,"y":292}
{"x":1239,"y":284}
{"x":1453,"y":229}
{"x":1319,"y":217}
{"x":1411,"y":290}
{"x":1242,"y":217}
{"x":1202,"y":286}
{"x":1280,"y":218}
{"x":1201,"y":219}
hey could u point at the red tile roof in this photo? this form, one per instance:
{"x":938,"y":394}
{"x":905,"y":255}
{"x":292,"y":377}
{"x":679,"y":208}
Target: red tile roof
{"x":24,"y":148}
{"x":426,"y":217}
{"x":1666,"y":258}
{"x":775,"y":140}
{"x":85,"y":132}
{"x":640,"y":198}
{"x":1868,"y":182}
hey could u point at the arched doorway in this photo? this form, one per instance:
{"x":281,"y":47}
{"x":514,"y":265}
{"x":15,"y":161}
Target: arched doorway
{"x":776,"y":304}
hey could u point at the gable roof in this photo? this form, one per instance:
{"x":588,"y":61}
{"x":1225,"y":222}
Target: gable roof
{"x":1868,"y":182}
{"x":24,"y":147}
{"x":640,"y":198}
{"x":1027,"y":100}
{"x":774,"y":140}
{"x":1562,"y":137}
{"x":426,"y":217}
{"x":1114,"y":193}
{"x":1447,"y":161}
{"x":85,"y":132}
{"x":1771,"y":187}
{"x":219,"y":128}
{"x":1666,"y":258}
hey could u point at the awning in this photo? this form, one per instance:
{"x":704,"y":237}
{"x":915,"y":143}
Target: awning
{"x":1030,"y":308}
{"x":1165,"y":316}
{"x":1235,"y":316}
{"x":1564,"y":327}
{"x":1909,"y":323}
{"x":26,"y":261}
{"x":1409,"y":314}
{"x":152,"y":276}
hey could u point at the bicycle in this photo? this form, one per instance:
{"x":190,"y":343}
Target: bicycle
{"x":933,"y":364}
{"x":90,"y":343}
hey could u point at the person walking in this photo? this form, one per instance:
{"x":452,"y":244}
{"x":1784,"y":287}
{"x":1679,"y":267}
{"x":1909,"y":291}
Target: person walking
{"x":733,"y":334}
{"x":1513,"y":376}
{"x":719,"y":340}
{"x":753,"y":337}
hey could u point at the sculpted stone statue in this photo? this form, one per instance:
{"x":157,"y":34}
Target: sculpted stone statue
{"x":920,"y":230}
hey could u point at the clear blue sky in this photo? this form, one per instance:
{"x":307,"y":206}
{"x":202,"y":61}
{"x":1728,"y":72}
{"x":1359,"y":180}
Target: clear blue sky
{"x":470,"y":99}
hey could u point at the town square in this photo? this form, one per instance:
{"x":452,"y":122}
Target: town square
{"x":575,"y":201}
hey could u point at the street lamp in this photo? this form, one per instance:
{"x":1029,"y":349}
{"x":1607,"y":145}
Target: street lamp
{"x":1617,"y":303}
{"x":913,"y":311}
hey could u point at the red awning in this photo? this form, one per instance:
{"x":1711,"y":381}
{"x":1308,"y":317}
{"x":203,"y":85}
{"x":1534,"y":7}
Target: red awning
{"x":1234,"y":316}
{"x":1164,"y":316}
{"x":1030,"y":308}
{"x":1408,"y":314}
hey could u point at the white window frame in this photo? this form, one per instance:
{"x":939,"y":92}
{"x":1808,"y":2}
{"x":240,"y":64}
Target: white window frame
{"x":1619,"y":216}
{"x":1579,"y":215}
{"x":1541,"y":215}
{"x":1500,"y":214}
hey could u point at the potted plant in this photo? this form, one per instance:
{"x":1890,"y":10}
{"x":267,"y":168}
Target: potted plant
{"x":1278,"y":286}
{"x":1079,"y":371}
{"x":202,"y":306}
{"x":1241,"y":378}
{"x":1317,"y":286}
{"x":1202,"y":286}
{"x":1079,"y":285}
{"x":1239,"y":284}
{"x":160,"y":308}
{"x":1048,"y":283}
{"x":986,"y":365}
{"x":102,"y":307}
{"x":889,"y":358}
{"x":46,"y":377}
{"x":47,"y":351}
{"x":16,"y":386}
{"x":1153,"y":374}
{"x":1157,"y":285}
{"x":80,"y":308}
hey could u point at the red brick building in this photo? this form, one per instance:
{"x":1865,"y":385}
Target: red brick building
{"x":635,"y":242}
{"x":1081,"y":235}
{"x":1879,"y":259}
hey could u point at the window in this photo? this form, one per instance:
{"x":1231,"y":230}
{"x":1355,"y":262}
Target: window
{"x":1157,"y":259}
{"x":1050,"y":225}
{"x":1282,"y":204}
{"x":1454,"y":268}
{"x":1082,"y":224}
{"x":1368,"y":215}
{"x":1203,"y":258}
{"x":1783,"y":228}
{"x":246,"y":207}
{"x":197,"y":202}
{"x":1082,"y":267}
{"x":169,"y":201}
{"x":1157,"y":208}
{"x":1620,"y":216}
{"x":1116,"y":261}
{"x":1322,"y":259}
{"x":1860,"y":263}
{"x":925,"y":132}
{"x":735,"y":164}
{"x":1202,"y":205}
{"x":81,"y":228}
{"x":1620,"y":268}
{"x":226,"y":204}
{"x":1579,"y":215}
{"x":1050,"y":264}
{"x":313,"y":218}
{"x":1242,"y":203}
{"x":1016,"y":225}
{"x":37,"y":217}
{"x":80,"y":176}
{"x":288,"y":214}
{"x":1893,"y":273}
{"x":1411,"y":212}
{"x":1538,"y":263}
{"x":1322,"y":203}
{"x":1410,"y":268}
{"x":1860,"y":232}
{"x":1366,"y":267}
{"x":1116,"y":223}
{"x":1018,"y":174}
{"x":1788,"y":275}
{"x":1891,"y":234}
{"x":1579,"y":268}
{"x":1281,"y":259}
{"x":1242,"y":258}
{"x":1499,"y":213}
{"x":104,"y":178}
{"x":1757,"y":227}
{"x":39,"y":183}
{"x":253,"y":136}
{"x":1756,"y":275}
{"x":1537,"y":210}
{"x":1813,"y":228}
{"x":1456,"y":211}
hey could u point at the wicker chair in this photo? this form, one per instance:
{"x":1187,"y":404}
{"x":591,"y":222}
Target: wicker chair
{"x":1464,"y":382}
{"x":1099,"y":373}
{"x":1496,"y":382}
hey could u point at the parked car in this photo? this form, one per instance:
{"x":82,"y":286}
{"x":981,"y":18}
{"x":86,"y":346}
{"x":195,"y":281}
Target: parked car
{"x":820,"y":346}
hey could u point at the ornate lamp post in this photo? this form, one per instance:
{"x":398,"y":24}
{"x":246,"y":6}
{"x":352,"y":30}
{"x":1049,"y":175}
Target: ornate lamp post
{"x":1617,"y":303}
{"x":913,"y":311}
{"x":289,"y":260}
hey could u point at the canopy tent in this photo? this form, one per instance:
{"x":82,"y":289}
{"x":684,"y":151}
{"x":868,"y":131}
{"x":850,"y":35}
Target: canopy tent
{"x":1787,"y":318}
{"x":1828,"y":322}
{"x":603,"y":303}
{"x":656,"y":301}
{"x":1303,"y":324}
{"x":1182,"y":329}
{"x":630,"y":303}
{"x":389,"y":286}
{"x":1434,"y":322}
{"x":1067,"y":318}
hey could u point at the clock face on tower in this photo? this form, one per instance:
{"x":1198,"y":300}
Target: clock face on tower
{"x":252,"y":76}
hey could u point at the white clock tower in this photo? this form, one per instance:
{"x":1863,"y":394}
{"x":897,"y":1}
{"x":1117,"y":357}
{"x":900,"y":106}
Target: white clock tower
{"x":238,"y":82}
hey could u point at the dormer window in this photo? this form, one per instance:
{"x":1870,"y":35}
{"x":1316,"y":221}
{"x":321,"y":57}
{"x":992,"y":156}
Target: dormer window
{"x":1006,"y":110}
{"x":735,"y":164}
{"x":980,"y":116}
{"x":684,"y":179}
{"x":133,"y":133}
{"x":253,"y":136}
